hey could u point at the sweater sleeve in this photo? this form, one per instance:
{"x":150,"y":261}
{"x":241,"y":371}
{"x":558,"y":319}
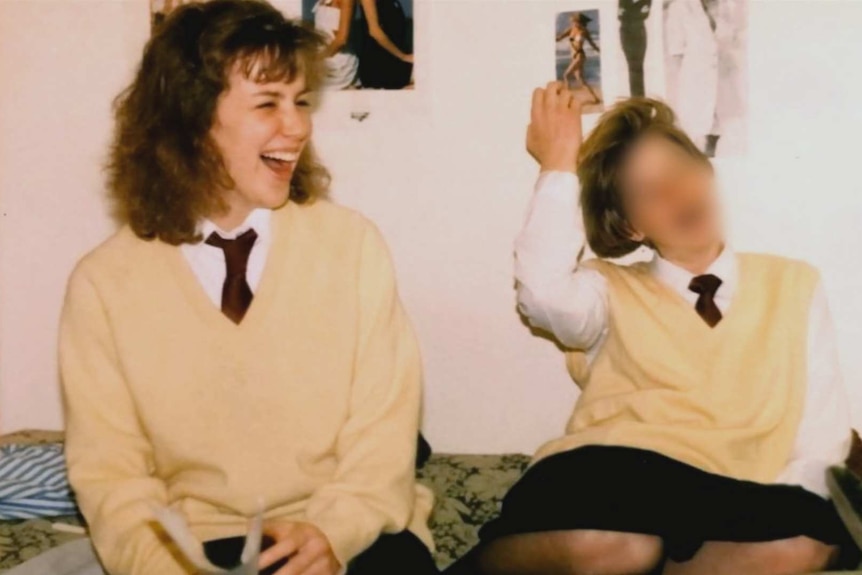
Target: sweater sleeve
{"x":108,"y":455}
{"x":373,"y":489}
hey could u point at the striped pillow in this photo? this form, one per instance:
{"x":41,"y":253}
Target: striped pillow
{"x":33,"y":482}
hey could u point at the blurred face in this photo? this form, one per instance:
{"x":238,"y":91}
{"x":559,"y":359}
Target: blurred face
{"x":261,"y":130}
{"x":670,"y":198}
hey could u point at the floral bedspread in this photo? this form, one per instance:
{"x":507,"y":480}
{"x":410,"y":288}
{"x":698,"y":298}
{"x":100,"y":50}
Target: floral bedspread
{"x":469,"y":489}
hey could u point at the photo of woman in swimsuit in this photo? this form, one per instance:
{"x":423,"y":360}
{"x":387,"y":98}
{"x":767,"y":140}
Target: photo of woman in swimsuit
{"x":576,"y":68}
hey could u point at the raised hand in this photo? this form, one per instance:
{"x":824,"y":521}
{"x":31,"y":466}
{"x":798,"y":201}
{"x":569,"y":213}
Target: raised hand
{"x":554,"y":135}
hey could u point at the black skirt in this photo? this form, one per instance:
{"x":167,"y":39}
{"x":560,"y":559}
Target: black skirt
{"x":396,"y":553}
{"x":637,"y":491}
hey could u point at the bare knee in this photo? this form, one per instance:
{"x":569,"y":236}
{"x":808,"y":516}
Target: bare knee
{"x":578,"y":552}
{"x":612,"y":553}
{"x":796,"y":555}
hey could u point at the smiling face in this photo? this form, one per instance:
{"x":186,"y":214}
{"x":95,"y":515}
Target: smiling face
{"x":669,"y":197}
{"x":260,"y":129}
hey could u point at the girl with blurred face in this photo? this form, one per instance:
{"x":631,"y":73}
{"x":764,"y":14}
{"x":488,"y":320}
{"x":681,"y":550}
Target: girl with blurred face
{"x":711,"y":403}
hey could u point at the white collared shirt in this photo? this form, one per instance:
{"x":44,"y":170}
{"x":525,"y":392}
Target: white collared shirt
{"x":724,"y":267}
{"x":571,"y":302}
{"x":208,"y":263}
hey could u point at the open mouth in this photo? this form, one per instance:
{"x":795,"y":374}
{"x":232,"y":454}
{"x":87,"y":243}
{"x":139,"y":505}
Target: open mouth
{"x":281,"y":163}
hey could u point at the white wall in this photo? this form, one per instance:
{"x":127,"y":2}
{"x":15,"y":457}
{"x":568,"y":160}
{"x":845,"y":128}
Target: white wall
{"x":60,"y":64}
{"x":442,"y":172}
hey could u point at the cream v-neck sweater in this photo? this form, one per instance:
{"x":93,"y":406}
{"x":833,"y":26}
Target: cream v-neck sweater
{"x":726,"y":399}
{"x":311,"y":404}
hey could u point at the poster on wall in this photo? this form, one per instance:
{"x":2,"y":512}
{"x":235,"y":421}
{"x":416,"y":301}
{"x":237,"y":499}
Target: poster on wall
{"x":633,"y":15}
{"x":356,"y":58}
{"x":578,"y":57}
{"x":705,"y":69}
{"x":632,"y":50}
{"x":159,"y":9}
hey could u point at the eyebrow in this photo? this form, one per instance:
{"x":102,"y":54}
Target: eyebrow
{"x":279,"y":95}
{"x":269,"y":94}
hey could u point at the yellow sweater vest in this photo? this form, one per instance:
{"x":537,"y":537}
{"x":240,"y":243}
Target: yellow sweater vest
{"x":311,"y":404}
{"x":727,"y":399}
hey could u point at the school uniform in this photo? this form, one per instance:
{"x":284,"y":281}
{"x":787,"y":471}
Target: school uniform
{"x":307,"y":400}
{"x":697,"y":421}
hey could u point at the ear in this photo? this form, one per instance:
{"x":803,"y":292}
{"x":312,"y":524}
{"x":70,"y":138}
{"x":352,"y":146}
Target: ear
{"x":633,"y":234}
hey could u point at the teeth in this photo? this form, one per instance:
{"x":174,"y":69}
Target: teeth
{"x":281,"y":156}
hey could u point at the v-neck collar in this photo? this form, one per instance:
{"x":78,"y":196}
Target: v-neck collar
{"x":676,"y":302}
{"x":197,"y":296}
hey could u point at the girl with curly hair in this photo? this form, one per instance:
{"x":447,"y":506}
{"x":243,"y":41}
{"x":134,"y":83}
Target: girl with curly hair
{"x":240,"y":339}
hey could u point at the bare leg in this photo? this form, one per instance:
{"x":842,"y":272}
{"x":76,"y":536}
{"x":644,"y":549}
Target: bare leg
{"x":569,"y":72}
{"x":784,"y":557}
{"x":578,"y":552}
{"x":580,"y":77}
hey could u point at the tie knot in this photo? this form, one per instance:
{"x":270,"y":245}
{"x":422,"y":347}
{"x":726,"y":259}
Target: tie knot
{"x":706,"y":284}
{"x":235,"y":251}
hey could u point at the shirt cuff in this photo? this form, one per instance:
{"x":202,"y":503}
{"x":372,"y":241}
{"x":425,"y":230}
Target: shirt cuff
{"x":556,"y":178}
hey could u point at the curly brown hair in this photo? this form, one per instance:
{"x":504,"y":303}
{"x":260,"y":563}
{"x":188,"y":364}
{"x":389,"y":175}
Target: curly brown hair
{"x":164,"y":170}
{"x":601,"y":160}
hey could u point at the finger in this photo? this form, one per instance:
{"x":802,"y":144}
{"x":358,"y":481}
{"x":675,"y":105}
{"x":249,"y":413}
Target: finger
{"x":564,"y":98}
{"x":554,"y":87}
{"x":538,"y":103}
{"x":300,"y":563}
{"x":552,"y":93}
{"x":322,"y":566}
{"x":279,"y":529}
{"x":283,"y":549}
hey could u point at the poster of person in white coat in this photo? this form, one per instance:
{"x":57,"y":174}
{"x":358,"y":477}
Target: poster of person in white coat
{"x":706,"y":71}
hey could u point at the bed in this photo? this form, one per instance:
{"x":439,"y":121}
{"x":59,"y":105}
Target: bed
{"x":469,"y":489}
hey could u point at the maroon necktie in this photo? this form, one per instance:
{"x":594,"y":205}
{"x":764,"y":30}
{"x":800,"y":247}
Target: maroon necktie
{"x":236,"y":294}
{"x":706,"y":286}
